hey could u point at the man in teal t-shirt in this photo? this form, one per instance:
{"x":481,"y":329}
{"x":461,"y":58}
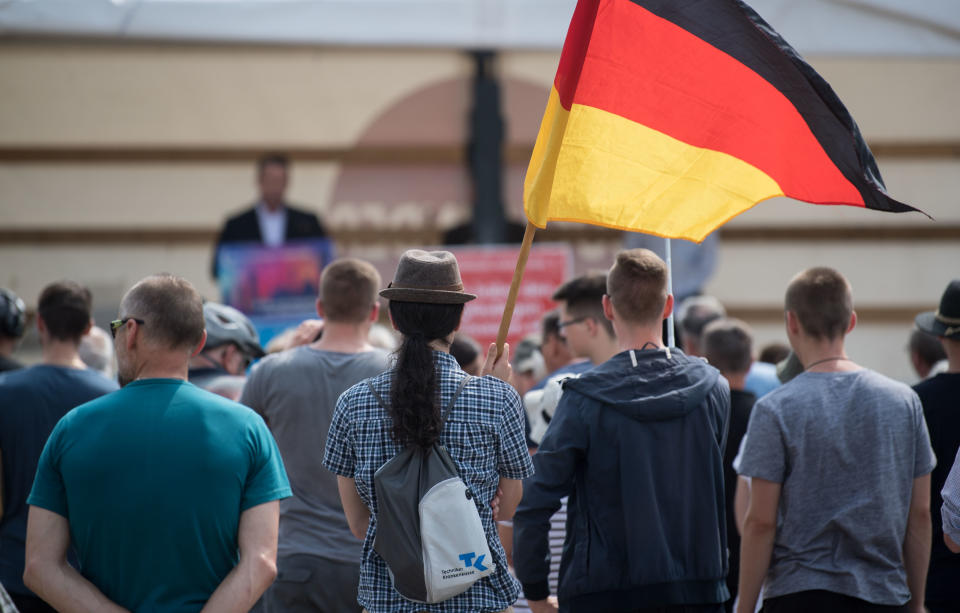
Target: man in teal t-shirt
{"x":169,"y":493}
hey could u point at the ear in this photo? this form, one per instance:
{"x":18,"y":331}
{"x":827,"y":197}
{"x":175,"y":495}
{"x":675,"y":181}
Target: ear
{"x":793,"y":324}
{"x":41,"y":326}
{"x":667,"y":306}
{"x":320,"y":308}
{"x":375,"y":312}
{"x":199,"y":347}
{"x":87,"y":329}
{"x":853,"y":322}
{"x":607,"y":307}
{"x":130,"y":339}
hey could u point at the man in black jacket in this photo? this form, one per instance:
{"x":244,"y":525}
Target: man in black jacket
{"x":637,"y":445}
{"x":271,"y":221}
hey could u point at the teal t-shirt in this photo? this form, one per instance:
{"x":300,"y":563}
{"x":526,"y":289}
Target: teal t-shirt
{"x":153,"y":479}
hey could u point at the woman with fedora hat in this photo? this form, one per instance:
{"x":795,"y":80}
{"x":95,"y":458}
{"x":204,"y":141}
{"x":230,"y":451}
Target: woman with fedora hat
{"x":483,"y":433}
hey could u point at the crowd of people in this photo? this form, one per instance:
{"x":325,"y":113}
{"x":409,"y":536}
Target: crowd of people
{"x":152,"y":468}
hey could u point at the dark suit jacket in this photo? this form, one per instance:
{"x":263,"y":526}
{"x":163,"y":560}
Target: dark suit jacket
{"x":245,"y":228}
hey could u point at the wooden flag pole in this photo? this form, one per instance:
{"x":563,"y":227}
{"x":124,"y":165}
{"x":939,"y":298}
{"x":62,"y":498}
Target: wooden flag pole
{"x":515,"y":287}
{"x":671,"y":341}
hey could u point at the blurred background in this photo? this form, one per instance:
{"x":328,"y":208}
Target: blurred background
{"x":130,"y":129}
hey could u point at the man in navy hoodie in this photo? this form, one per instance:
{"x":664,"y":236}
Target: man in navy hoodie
{"x":637,"y":444}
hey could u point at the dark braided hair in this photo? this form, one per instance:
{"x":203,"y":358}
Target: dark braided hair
{"x":414,"y":397}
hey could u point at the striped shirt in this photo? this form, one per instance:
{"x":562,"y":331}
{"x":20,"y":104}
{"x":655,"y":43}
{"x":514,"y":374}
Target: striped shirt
{"x":556,"y":536}
{"x":951,"y":502}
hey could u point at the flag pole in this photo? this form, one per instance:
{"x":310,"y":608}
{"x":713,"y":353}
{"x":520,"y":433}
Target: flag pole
{"x":515,"y":287}
{"x":671,"y":341}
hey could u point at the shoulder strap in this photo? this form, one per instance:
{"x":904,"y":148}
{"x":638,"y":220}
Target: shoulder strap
{"x":446,"y":410}
{"x":375,"y":393}
{"x":453,"y":399}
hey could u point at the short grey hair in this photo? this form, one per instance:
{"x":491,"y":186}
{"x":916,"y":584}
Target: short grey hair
{"x":695,"y":312}
{"x":171,"y":307}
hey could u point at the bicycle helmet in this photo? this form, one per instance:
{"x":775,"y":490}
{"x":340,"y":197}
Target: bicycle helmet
{"x":13,"y":314}
{"x":226,"y":324}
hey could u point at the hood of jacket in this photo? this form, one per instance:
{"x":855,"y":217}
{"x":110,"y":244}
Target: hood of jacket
{"x":624,"y":383}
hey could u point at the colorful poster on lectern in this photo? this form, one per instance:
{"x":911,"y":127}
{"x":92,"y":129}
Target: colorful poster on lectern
{"x":275,"y":286}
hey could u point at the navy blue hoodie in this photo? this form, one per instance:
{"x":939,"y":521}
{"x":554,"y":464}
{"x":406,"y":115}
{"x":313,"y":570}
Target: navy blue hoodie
{"x":637,"y":444}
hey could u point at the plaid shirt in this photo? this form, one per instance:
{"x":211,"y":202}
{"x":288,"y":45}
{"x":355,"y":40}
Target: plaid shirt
{"x":485,"y":437}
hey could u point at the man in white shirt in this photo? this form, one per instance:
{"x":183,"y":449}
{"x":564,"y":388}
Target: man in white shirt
{"x":271,"y":221}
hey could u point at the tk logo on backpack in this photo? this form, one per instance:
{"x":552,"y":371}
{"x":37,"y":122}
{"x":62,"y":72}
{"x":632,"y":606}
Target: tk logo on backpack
{"x":468,"y":561}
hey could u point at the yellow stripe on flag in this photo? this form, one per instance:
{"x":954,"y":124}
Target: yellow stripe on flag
{"x":595,"y":167}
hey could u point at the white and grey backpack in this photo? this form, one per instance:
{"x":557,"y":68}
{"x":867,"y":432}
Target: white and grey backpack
{"x":428,"y":526}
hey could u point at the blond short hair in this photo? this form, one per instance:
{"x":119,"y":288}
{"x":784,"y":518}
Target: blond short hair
{"x":348,"y":290}
{"x":637,"y":286}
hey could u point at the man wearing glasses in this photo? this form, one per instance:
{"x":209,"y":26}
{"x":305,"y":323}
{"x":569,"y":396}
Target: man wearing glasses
{"x":168,"y":493}
{"x":588,"y":333}
{"x":32,"y":400}
{"x":583,"y":334}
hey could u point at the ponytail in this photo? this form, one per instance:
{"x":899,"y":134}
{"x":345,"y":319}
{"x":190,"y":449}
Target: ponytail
{"x":414,"y":396}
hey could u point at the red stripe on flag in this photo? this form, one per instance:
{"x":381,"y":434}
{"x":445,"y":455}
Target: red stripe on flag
{"x":574,"y":50}
{"x":650,"y":71}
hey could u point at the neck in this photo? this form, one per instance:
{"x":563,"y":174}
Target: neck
{"x":737,"y":381}
{"x":638,"y":337}
{"x":343,"y":337}
{"x":604,"y":348}
{"x":61,"y":353}
{"x":952,"y":348}
{"x":823,"y":355}
{"x":442,"y":344}
{"x":273,"y":205}
{"x":162,"y":364}
{"x":7,"y":345}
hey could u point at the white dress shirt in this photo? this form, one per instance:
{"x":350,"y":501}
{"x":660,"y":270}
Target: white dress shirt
{"x":273,"y":225}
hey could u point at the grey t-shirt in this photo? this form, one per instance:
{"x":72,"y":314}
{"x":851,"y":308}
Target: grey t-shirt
{"x":296,"y":391}
{"x":846,"y":448}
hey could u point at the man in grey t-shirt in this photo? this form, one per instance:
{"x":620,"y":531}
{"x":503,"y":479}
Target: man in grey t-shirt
{"x":840,"y":461}
{"x":295,"y":391}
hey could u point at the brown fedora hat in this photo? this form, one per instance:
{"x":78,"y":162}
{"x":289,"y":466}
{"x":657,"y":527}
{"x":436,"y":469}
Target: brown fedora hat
{"x":945,"y":321}
{"x":427,"y":276}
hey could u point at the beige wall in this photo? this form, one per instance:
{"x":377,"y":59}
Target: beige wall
{"x":163,"y":94}
{"x":145,"y":95}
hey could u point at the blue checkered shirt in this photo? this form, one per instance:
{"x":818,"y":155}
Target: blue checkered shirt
{"x":485,"y":436}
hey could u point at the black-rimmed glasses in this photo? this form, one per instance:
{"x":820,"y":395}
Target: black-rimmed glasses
{"x":116,"y":324}
{"x":563,"y":324}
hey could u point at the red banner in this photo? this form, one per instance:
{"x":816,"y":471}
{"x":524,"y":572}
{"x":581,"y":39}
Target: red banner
{"x":488,"y":272}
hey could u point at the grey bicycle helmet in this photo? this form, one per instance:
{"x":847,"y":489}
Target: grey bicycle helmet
{"x":13,"y":314}
{"x":226,"y":324}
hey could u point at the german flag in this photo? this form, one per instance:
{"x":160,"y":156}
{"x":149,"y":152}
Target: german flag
{"x":672,"y":116}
